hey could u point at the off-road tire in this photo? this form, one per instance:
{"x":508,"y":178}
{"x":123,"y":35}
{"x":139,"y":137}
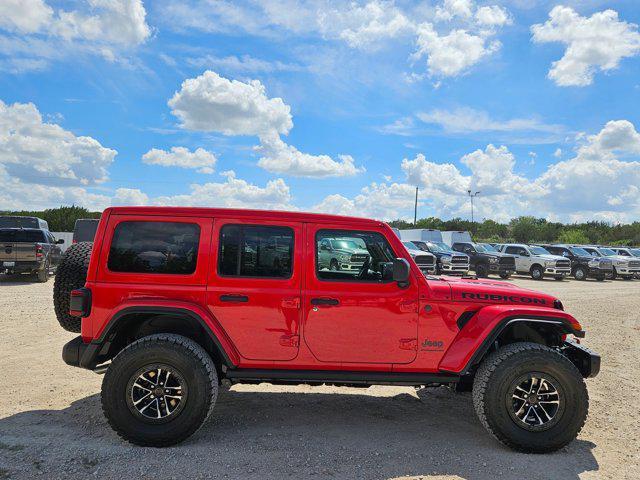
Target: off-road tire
{"x":43,"y":275}
{"x":71,"y":274}
{"x":537,"y":276}
{"x":491,"y":391}
{"x":580,"y":273}
{"x":482,"y":270}
{"x":505,"y":276}
{"x":180,"y":353}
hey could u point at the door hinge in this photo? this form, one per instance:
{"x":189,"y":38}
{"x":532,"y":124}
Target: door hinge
{"x":291,"y":302}
{"x":290,"y":340}
{"x":408,"y":344}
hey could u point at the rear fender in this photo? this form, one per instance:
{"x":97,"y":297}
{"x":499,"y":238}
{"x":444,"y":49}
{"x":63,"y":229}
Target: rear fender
{"x":478,"y":334}
{"x":215,"y":331}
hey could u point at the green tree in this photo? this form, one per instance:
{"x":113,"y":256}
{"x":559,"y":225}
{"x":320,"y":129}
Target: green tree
{"x":573,"y":235}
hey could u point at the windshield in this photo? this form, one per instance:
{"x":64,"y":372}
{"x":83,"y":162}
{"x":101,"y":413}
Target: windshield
{"x":538,"y":251}
{"x":421,"y":245}
{"x":607,"y":252}
{"x":345,"y":244}
{"x":440,"y":247}
{"x":579,"y":251}
{"x":410,"y":246}
{"x":635,"y":252}
{"x":480,"y":248}
{"x":489,"y":247}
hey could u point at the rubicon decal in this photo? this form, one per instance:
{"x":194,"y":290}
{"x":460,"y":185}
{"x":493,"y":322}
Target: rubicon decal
{"x":503,"y":298}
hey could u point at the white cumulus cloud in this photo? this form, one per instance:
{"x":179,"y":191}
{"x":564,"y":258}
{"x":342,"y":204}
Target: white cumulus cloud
{"x":598,"y":42}
{"x":200,"y":159}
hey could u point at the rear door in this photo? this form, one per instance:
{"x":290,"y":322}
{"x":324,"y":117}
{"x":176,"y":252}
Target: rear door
{"x":254,"y":287}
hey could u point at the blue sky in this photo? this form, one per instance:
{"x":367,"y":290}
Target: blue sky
{"x":342,"y":107}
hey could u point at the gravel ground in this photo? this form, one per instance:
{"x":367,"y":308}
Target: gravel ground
{"x":51,"y":423}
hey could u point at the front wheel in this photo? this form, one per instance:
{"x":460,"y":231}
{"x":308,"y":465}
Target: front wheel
{"x":482,"y":271}
{"x":159,"y":390}
{"x":537,"y":272}
{"x":530,"y":397}
{"x":580,"y":273}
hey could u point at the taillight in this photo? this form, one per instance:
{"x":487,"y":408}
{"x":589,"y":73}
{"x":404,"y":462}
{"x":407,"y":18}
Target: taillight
{"x":80,"y":302}
{"x":39,"y":251}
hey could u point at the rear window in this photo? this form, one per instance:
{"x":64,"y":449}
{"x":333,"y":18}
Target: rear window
{"x":22,"y":236}
{"x":154,"y":247}
{"x":255,"y":251}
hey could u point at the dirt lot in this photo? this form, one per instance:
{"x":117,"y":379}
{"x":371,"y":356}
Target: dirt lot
{"x":51,"y":424}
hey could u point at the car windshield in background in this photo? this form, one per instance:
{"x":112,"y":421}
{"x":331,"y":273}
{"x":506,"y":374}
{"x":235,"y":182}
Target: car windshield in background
{"x":440,"y":247}
{"x":345,"y":244}
{"x":22,"y":236}
{"x":635,"y":252}
{"x":490,"y":248}
{"x":579,"y":251}
{"x":481,"y":248}
{"x":410,"y":245}
{"x":538,"y":251}
{"x":607,"y":252}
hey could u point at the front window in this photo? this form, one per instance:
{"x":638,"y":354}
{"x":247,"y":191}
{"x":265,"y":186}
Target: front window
{"x":410,"y":246}
{"x":538,"y":251}
{"x":367,"y":256}
{"x":607,"y":252}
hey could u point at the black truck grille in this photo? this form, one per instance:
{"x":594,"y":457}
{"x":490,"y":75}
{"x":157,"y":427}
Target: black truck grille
{"x":634,"y":264}
{"x":459,"y":260}
{"x":563,"y":263}
{"x":424,"y":260}
{"x":359,"y":258}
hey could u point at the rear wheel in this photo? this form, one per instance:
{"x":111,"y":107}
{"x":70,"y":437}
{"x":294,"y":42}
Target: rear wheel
{"x":530,"y":397}
{"x":580,"y":273}
{"x":482,"y":270}
{"x":159,"y":390}
{"x":43,"y":275}
{"x":536,"y":272}
{"x":71,"y":274}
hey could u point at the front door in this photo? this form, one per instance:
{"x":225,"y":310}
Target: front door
{"x":354,"y":313}
{"x":254,"y":286}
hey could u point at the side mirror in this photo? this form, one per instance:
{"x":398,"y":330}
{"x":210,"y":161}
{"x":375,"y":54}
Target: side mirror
{"x":401,"y":271}
{"x":60,"y":241}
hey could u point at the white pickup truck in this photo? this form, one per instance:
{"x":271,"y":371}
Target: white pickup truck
{"x":536,"y":261}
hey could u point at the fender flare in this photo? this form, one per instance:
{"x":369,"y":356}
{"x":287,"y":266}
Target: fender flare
{"x":479,"y":333}
{"x":222,"y":343}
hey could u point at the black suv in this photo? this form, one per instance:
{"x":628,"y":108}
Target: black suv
{"x":485,"y":259}
{"x":583,"y":265}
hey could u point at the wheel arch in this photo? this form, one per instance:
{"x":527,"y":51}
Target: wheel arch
{"x":132,"y":323}
{"x":536,"y":265}
{"x":500,"y":325}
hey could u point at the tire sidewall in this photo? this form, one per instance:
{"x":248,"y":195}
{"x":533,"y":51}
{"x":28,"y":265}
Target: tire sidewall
{"x":535,"y":269}
{"x":497,"y":395}
{"x":482,"y":270}
{"x":581,"y":275}
{"x":186,"y":422}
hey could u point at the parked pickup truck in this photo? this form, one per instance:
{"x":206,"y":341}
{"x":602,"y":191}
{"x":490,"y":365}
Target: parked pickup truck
{"x":29,"y":250}
{"x":485,"y":261}
{"x":426,"y":261}
{"x":623,"y":266}
{"x":537,"y":262}
{"x":583,"y":264}
{"x":447,"y":259}
{"x":337,"y":254}
{"x":167,"y":333}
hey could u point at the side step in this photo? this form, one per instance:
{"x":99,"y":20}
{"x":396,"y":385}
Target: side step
{"x":245,"y":375}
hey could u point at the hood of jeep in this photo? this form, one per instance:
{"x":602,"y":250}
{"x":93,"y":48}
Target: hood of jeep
{"x":495,"y":292}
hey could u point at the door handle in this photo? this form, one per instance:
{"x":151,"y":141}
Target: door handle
{"x":324,"y":301}
{"x":234,"y":298}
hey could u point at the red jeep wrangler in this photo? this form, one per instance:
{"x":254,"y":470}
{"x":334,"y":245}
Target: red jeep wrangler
{"x":175,"y":300}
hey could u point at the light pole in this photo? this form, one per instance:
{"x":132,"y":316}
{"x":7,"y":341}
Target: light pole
{"x":415,"y":210}
{"x":471,"y":197}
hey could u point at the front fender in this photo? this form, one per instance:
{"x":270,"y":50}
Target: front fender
{"x":479,"y":333}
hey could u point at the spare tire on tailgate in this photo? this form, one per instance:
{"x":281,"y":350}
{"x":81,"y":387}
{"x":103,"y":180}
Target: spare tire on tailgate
{"x":71,"y":274}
